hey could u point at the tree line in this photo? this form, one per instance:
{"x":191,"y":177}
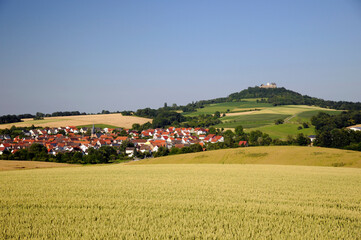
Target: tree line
{"x":105,"y":154}
{"x":332,"y":132}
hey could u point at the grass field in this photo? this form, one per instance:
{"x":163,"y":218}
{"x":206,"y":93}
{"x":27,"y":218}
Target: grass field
{"x":114,"y":120}
{"x":6,"y":165}
{"x":194,"y":201}
{"x":276,"y":155}
{"x":306,"y":116}
{"x":246,"y":104}
{"x":283,"y":130}
{"x":251,"y":120}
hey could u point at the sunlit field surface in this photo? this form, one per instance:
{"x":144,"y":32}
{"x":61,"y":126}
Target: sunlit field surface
{"x":217,"y":201}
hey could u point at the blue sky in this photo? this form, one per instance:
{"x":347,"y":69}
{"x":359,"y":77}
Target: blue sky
{"x":125,"y":55}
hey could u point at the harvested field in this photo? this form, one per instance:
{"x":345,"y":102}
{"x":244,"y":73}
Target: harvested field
{"x":116,"y":119}
{"x":6,"y":165}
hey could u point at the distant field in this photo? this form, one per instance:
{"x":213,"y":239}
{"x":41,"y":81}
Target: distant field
{"x":6,"y":165}
{"x":264,"y":118}
{"x":251,"y":120}
{"x":307,"y":115}
{"x":246,"y":104}
{"x":280,"y":155}
{"x":194,"y":201}
{"x":243,"y":113}
{"x":115,"y":120}
{"x":283,"y":130}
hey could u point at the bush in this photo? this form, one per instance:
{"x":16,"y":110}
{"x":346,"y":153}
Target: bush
{"x":279,"y":121}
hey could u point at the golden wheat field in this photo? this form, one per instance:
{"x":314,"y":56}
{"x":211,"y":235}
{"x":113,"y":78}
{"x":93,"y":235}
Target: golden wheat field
{"x":6,"y":165}
{"x":175,"y":201}
{"x":116,"y":119}
{"x":276,"y":155}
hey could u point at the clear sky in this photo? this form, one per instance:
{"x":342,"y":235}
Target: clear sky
{"x":125,"y":55}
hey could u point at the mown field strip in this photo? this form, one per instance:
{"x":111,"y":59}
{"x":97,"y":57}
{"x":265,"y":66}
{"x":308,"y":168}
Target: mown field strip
{"x":182,"y":202}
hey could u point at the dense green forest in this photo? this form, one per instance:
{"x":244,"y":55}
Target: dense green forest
{"x":9,"y":119}
{"x":331,"y":131}
{"x":283,"y":96}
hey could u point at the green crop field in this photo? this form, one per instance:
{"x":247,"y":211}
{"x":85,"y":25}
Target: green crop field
{"x":251,"y":120}
{"x":283,"y":130}
{"x":306,"y":116}
{"x":244,"y":105}
{"x":189,"y":201}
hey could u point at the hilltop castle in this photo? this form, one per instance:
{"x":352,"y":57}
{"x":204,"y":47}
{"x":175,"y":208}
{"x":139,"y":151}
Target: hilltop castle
{"x":268,"y":85}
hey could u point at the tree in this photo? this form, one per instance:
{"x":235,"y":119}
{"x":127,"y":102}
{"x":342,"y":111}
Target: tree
{"x":162,"y":151}
{"x":302,"y":140}
{"x":37,"y":148}
{"x":174,"y":151}
{"x":212,"y":130}
{"x":324,"y":139}
{"x":279,"y":121}
{"x":39,"y":116}
{"x":240,"y":133}
{"x":217,"y":114}
{"x":254,"y":137}
{"x":136,"y":126}
{"x":196,"y":148}
{"x":228,"y":133}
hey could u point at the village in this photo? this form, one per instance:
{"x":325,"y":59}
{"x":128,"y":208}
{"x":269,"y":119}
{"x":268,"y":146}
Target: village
{"x":71,"y":139}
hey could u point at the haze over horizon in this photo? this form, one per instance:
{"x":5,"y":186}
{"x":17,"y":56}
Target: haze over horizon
{"x":124,"y":55}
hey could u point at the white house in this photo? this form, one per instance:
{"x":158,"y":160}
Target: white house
{"x":129,"y":152}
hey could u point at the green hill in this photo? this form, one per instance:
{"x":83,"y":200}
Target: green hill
{"x":256,"y":115}
{"x":279,"y":155}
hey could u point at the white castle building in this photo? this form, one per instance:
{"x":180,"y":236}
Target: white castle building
{"x":268,"y":85}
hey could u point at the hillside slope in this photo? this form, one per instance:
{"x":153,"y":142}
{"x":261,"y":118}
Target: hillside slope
{"x":280,"y":155}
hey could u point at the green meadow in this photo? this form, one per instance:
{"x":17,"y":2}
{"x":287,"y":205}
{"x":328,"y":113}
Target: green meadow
{"x":251,"y":120}
{"x":282,"y":131}
{"x":244,"y":105}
